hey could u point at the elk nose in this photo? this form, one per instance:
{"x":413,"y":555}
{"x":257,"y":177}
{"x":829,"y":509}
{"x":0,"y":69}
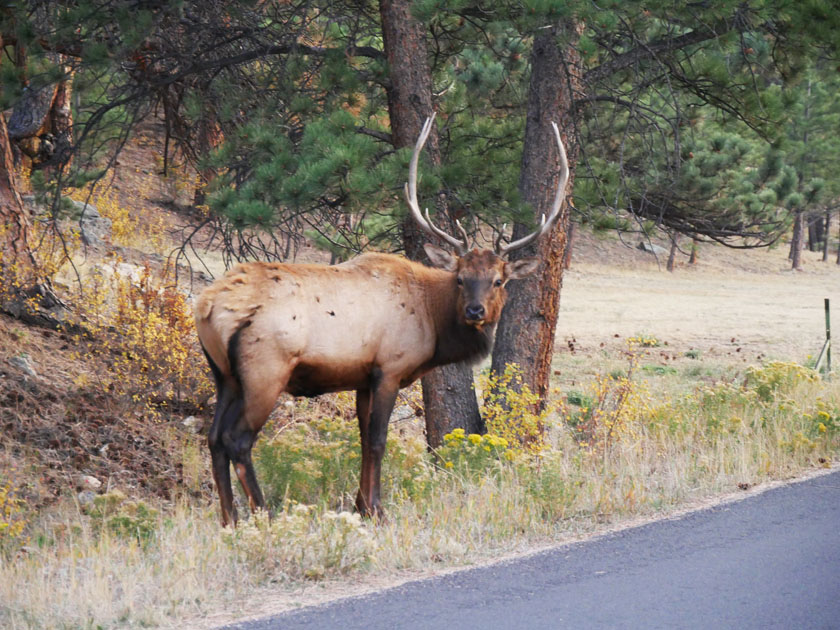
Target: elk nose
{"x":475,"y":312}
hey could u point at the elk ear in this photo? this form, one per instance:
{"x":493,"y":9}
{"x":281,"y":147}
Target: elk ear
{"x":440,"y":257}
{"x":521,"y":268}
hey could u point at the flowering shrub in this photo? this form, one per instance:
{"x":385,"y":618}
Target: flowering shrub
{"x":144,"y":329}
{"x":777,"y":376}
{"x":508,"y":410}
{"x":12,"y":517}
{"x":825,"y":421}
{"x":473,"y":453}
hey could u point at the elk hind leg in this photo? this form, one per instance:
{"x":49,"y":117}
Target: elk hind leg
{"x":228,"y":409}
{"x":262,"y":390}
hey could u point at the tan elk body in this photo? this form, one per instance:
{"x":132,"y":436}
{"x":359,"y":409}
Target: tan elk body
{"x":374,"y":324}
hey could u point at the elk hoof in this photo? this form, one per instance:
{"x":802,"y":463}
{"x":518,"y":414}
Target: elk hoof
{"x":375,"y":512}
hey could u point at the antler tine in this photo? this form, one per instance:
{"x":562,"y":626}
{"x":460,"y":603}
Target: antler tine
{"x":554,"y":213}
{"x":462,"y":231}
{"x":411,"y":195}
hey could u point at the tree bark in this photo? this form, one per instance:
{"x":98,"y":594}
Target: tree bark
{"x":815,"y":227}
{"x":672,"y":255}
{"x":827,"y":232}
{"x":695,"y":246}
{"x":570,"y":243}
{"x":209,"y":136}
{"x":798,"y":240}
{"x":13,"y":216}
{"x":42,"y":122}
{"x":526,"y":331}
{"x":448,"y":396}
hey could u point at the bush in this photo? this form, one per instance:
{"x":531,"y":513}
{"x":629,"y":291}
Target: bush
{"x":302,"y":542}
{"x":777,"y":377}
{"x":473,"y":454}
{"x":130,"y":520}
{"x":509,"y":410}
{"x":12,"y":518}
{"x":143,"y":328}
{"x":318,"y":462}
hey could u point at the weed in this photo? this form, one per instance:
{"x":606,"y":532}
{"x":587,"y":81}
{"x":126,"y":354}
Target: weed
{"x":659,"y":370}
{"x":132,"y":520}
{"x":777,"y":376}
{"x":317,"y":462}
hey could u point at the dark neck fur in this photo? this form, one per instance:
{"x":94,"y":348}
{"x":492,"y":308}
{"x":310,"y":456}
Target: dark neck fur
{"x":458,"y":342}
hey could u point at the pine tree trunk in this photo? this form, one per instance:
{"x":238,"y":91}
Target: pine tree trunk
{"x":570,"y":243}
{"x":672,"y":255}
{"x":827,"y":232}
{"x":525,"y":334}
{"x":695,"y":246}
{"x":448,"y":395}
{"x":814,"y":232}
{"x":209,"y":135}
{"x":14,"y":244}
{"x":61,"y":126}
{"x":798,"y":240}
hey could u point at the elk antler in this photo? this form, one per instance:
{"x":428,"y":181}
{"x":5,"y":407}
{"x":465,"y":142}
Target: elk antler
{"x":411,"y":196}
{"x":553,"y":215}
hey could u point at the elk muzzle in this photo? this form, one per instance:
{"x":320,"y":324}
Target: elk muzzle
{"x":474,"y":314}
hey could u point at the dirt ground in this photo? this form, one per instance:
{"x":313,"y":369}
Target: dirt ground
{"x":744,"y":302}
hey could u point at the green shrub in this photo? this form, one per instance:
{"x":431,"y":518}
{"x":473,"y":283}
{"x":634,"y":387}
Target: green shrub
{"x":318,"y":463}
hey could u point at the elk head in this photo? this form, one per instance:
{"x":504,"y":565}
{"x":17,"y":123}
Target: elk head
{"x":481,"y":274}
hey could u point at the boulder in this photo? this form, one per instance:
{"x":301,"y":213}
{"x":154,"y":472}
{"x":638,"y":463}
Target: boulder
{"x":651,"y":248}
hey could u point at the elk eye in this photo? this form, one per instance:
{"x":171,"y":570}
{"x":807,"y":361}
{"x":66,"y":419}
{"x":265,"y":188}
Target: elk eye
{"x":498,"y":282}
{"x":460,"y":281}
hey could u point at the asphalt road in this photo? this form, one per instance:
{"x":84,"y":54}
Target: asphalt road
{"x":769,"y":561}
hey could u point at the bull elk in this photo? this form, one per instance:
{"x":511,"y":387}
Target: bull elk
{"x":374,"y":324}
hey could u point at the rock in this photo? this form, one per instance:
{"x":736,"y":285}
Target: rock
{"x":86,"y":497}
{"x":95,"y":228}
{"x":91,"y":483}
{"x":22,"y":363}
{"x":192,"y":424}
{"x":650,"y":248}
{"x":403,"y":412}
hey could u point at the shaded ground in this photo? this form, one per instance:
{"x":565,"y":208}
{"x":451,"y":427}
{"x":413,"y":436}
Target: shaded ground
{"x":55,"y":427}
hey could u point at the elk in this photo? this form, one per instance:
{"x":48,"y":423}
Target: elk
{"x":374,"y":324}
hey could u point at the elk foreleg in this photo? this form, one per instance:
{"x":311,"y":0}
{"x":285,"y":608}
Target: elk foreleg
{"x":374,"y":407}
